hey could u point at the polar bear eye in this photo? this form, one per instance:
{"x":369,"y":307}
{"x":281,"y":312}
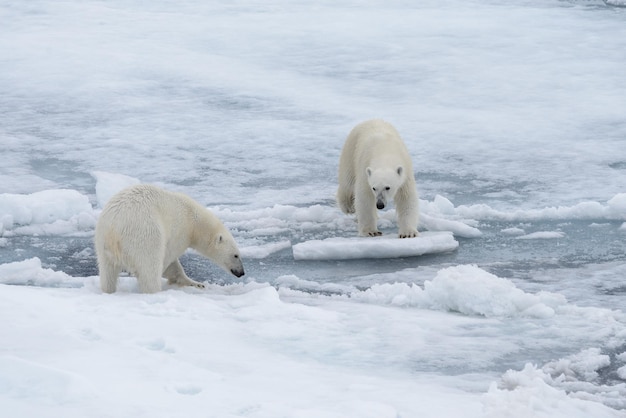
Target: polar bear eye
{"x":374,"y":188}
{"x":236,"y":255}
{"x":387,"y":188}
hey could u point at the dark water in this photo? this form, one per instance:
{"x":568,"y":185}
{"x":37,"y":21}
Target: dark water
{"x":583,"y":243}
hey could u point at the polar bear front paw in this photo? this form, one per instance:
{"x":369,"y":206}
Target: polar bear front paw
{"x":371,"y":233}
{"x":408,"y":234}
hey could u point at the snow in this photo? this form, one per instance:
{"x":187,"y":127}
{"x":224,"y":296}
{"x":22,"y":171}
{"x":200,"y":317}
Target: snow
{"x":534,"y":397}
{"x":204,"y":361}
{"x":468,"y":290}
{"x":613,"y":209}
{"x":44,"y":208}
{"x":388,"y":246}
{"x":263,"y":251}
{"x":543,"y":235}
{"x":80,"y":350}
{"x":513,"y":231}
{"x":472,"y":291}
{"x":513,"y":112}
{"x":30,"y":272}
{"x":586,"y":364}
{"x":108,"y":184}
{"x":457,"y":228}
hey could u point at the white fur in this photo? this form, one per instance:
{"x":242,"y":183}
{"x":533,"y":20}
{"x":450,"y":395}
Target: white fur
{"x":144,"y":229}
{"x":374,"y":168}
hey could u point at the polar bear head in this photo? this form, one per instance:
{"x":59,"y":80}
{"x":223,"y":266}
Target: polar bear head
{"x":226,"y":254}
{"x":384,"y":183}
{"x":218,"y":245}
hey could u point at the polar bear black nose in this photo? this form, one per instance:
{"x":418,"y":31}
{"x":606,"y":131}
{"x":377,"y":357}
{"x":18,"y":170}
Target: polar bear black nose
{"x":380,"y":204}
{"x":237,"y":272}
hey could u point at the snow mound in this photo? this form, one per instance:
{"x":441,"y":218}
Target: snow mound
{"x":264,"y":250}
{"x":570,"y":381}
{"x":473,"y":291}
{"x":108,"y":184}
{"x":530,"y":393}
{"x":543,"y":235}
{"x":583,"y":365}
{"x":458,"y":228}
{"x":513,"y":231}
{"x":466,"y":289}
{"x":616,"y":3}
{"x":388,"y":246}
{"x":45,"y":207}
{"x":31,"y":273}
{"x":291,"y":282}
{"x":440,"y":215}
{"x":47,"y":212}
{"x":615,"y":209}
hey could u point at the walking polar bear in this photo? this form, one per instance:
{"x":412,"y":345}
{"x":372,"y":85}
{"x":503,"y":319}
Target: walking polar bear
{"x":374,"y":168}
{"x":144,"y":229}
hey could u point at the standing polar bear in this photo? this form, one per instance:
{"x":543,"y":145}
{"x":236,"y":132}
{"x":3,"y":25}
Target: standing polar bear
{"x":375,"y":167}
{"x":144,"y":229}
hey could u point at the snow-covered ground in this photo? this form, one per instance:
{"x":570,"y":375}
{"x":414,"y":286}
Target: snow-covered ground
{"x":513,"y":112}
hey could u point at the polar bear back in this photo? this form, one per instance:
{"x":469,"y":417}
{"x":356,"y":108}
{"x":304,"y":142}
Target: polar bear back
{"x":144,"y":208}
{"x":147,"y":218}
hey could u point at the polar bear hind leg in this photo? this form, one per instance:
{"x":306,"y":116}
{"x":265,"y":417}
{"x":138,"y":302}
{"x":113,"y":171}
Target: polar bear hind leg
{"x":345,"y":199}
{"x":109,"y":274}
{"x":175,"y":274}
{"x":345,"y":191}
{"x":108,"y":253}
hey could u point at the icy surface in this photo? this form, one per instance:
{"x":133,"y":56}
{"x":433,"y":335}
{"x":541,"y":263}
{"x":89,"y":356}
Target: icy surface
{"x":513,"y":112}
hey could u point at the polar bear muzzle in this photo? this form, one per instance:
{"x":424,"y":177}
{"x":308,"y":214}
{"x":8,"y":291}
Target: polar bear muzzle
{"x":237,"y":271}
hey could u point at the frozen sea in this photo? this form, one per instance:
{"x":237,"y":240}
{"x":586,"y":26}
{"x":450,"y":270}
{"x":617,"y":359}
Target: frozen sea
{"x":514,"y":113}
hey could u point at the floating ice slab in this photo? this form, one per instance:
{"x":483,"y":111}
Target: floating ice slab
{"x":387,"y":246}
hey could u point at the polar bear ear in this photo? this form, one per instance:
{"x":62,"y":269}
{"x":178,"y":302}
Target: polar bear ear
{"x":399,"y":170}
{"x":368,"y":171}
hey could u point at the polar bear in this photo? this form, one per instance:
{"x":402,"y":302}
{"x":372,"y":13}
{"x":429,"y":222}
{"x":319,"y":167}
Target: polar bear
{"x":144,"y":229}
{"x":374,"y":168}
